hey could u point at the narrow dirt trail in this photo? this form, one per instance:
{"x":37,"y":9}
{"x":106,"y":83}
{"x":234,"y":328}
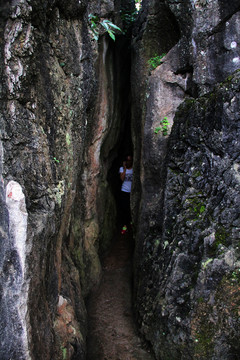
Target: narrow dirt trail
{"x":112,"y":334}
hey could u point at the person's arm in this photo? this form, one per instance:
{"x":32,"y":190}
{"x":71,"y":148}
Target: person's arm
{"x":122,"y":174}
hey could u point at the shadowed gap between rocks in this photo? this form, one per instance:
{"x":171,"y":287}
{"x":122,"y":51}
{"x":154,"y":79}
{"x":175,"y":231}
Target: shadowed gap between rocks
{"x":111,"y":331}
{"x":113,"y":154}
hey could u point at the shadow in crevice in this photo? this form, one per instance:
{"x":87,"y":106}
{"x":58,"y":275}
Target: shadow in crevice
{"x":124,"y":145}
{"x":118,"y":142}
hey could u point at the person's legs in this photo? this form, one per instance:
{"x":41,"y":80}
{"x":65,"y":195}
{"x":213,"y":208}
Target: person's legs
{"x":128,"y":210}
{"x":125,"y":210}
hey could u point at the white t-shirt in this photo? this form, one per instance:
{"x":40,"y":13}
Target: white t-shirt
{"x":127,"y":183}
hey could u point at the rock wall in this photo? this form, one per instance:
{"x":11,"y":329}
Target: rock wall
{"x":185,"y":197}
{"x":64,"y":114}
{"x":58,"y":98}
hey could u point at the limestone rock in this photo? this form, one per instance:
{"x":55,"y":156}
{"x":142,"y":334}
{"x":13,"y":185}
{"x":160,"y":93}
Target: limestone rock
{"x":186,"y":187}
{"x":55,"y":117}
{"x":64,"y":113}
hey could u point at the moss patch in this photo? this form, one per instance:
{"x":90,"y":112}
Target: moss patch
{"x":222,"y":236}
{"x":196,"y":207}
{"x":210,"y":322}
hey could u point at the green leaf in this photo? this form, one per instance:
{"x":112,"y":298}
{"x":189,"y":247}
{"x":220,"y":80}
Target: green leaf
{"x":105,"y":25}
{"x":155,"y":61}
{"x":95,"y":34}
{"x":56,"y":160}
{"x":115,"y":26}
{"x":93,"y":18}
{"x":95,"y":37}
{"x":111,"y":34}
{"x":157,"y":130}
{"x":93,"y":25}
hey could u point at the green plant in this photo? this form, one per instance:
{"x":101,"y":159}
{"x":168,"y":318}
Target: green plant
{"x":155,"y":61}
{"x":205,"y":264}
{"x":68,"y":139}
{"x":64,"y":352}
{"x":163,"y":127}
{"x":56,"y":160}
{"x":199,"y":209}
{"x":128,"y":16}
{"x":222,"y":235}
{"x":236,"y":275}
{"x":106,"y":24}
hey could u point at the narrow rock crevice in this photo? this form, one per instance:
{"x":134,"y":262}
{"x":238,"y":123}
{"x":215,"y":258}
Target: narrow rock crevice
{"x":112,"y":333}
{"x":118,"y":141}
{"x":71,"y":107}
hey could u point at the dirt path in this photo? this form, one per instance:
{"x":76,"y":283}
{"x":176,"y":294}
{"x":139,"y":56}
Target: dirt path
{"x":112,"y":335}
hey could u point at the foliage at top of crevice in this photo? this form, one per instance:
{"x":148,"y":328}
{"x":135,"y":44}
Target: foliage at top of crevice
{"x":96,"y":23}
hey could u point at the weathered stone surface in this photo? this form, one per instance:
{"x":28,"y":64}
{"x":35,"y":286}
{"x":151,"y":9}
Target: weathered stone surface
{"x":155,"y":32}
{"x":14,"y":284}
{"x":186,"y":185}
{"x":56,"y":114}
{"x":196,"y":255}
{"x":64,"y":114}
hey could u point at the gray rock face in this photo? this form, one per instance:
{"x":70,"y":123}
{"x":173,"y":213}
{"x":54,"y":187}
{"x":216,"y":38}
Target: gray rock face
{"x":194,"y":260}
{"x":186,"y":188}
{"x":62,"y":120}
{"x":55,"y":118}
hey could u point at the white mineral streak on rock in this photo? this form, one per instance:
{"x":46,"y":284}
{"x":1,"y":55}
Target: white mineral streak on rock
{"x":233,"y":44}
{"x":194,"y":47}
{"x":1,"y":153}
{"x":13,"y":70}
{"x":28,"y":36}
{"x":15,"y":201}
{"x":61,"y":301}
{"x":236,"y":60}
{"x":105,"y":48}
{"x":77,"y":32}
{"x":10,"y":36}
{"x":236,"y":168}
{"x":17,"y":36}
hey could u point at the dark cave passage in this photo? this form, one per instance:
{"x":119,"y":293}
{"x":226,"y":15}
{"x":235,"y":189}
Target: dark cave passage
{"x":119,"y":56}
{"x":111,"y":329}
{"x":112,"y":332}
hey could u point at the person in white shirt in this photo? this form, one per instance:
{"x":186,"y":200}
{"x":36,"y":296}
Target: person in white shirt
{"x":126,"y":175}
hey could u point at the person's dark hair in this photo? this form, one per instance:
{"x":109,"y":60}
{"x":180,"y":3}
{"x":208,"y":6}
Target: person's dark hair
{"x":125,"y":158}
